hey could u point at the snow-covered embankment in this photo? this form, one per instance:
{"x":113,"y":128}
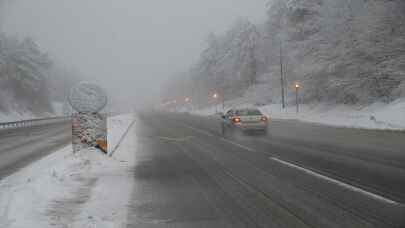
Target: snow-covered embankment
{"x":73,"y":190}
{"x":376,"y":116}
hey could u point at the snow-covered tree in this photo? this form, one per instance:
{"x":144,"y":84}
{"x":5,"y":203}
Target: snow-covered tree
{"x":230,"y":63}
{"x":346,"y":51}
{"x":23,"y":72}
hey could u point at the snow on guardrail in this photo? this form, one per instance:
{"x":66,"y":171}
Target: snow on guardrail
{"x":32,"y":122}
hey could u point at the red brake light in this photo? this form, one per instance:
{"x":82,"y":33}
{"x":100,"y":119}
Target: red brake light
{"x":236,"y":119}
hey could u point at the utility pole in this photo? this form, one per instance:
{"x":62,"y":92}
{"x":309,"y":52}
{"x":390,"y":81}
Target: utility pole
{"x":223,"y":98}
{"x":282,"y":24}
{"x":297,"y":88}
{"x":282,"y":73}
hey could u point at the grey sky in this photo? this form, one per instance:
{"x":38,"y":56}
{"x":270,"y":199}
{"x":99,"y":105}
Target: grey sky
{"x":129,"y":45}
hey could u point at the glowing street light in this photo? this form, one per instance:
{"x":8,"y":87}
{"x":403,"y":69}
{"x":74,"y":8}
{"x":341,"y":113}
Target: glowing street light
{"x":297,"y":88}
{"x":215,"y":96}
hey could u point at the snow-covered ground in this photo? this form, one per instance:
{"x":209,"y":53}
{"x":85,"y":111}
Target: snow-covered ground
{"x":72,"y":190}
{"x":376,"y":116}
{"x":119,"y":125}
{"x":58,"y":108}
{"x":15,"y":116}
{"x":18,"y":114}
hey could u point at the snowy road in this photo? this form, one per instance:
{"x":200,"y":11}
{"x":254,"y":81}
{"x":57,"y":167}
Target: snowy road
{"x":175,"y":170}
{"x":301,"y":175}
{"x":21,"y":146}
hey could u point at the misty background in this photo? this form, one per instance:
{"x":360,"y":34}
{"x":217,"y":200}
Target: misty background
{"x":349,"y":52}
{"x":128,"y":47}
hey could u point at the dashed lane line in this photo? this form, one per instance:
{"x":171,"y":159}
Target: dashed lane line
{"x":237,"y":144}
{"x":170,"y":139}
{"x":222,"y":139}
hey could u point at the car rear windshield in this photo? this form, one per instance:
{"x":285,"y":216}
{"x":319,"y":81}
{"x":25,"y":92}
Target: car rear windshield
{"x":248,"y":112}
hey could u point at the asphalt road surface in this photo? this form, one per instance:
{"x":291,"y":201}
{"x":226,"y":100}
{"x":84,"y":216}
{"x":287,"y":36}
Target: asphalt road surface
{"x":22,"y":146}
{"x":300,"y":175}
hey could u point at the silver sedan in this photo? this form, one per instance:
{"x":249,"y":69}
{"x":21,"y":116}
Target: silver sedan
{"x":245,"y":120}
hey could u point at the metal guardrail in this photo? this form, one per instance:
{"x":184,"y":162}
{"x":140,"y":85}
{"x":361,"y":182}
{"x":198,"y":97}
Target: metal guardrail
{"x":32,"y":122}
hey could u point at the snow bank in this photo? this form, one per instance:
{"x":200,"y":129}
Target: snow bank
{"x":19,"y":114}
{"x":15,"y":116}
{"x":24,"y":195}
{"x":71,"y":190}
{"x":117,"y":127}
{"x":377,"y":116}
{"x":58,"y":108}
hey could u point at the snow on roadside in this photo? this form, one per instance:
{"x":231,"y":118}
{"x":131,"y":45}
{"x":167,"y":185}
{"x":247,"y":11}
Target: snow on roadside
{"x":18,"y":114}
{"x":377,"y":116}
{"x":25,"y":194}
{"x":118,"y":125}
{"x":87,"y":189}
{"x":15,"y":116}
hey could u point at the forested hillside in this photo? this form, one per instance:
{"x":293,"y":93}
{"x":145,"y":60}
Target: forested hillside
{"x":29,"y":81}
{"x":23,"y":73}
{"x":348,"y":51}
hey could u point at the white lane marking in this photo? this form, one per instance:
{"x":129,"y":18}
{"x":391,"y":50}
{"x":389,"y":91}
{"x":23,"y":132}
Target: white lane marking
{"x":342,"y":184}
{"x":199,"y":130}
{"x":238,"y":145}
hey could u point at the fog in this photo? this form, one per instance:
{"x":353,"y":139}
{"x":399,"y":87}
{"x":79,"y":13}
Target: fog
{"x":128,"y":46}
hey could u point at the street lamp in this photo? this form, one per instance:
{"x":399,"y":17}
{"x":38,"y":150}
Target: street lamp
{"x":215,"y":96}
{"x":297,"y":88}
{"x":188,"y":101}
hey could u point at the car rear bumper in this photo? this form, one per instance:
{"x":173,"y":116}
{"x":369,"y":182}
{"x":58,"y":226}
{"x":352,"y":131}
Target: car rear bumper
{"x":253,"y":126}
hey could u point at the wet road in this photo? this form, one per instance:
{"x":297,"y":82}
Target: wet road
{"x":300,"y":175}
{"x":22,"y":146}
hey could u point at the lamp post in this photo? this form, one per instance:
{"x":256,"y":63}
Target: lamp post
{"x":215,"y":96}
{"x":223,"y":99}
{"x":297,"y":88}
{"x":188,"y":102}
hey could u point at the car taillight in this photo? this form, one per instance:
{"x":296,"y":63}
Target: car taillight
{"x":236,"y":120}
{"x":264,"y":119}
